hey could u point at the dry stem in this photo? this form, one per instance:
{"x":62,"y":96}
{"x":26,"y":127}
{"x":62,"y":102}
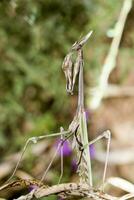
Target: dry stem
{"x":110,"y":61}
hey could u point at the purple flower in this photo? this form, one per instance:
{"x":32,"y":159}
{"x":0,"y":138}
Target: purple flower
{"x":87,"y":114}
{"x":67,"y":151}
{"x":74,"y":165}
{"x":32,"y":187}
{"x":92,"y":151}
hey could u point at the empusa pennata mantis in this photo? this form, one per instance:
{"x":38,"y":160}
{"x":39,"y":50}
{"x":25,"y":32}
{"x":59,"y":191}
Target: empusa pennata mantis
{"x":78,"y":126}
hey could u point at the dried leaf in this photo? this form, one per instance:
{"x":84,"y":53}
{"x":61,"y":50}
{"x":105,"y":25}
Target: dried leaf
{"x":122,"y":184}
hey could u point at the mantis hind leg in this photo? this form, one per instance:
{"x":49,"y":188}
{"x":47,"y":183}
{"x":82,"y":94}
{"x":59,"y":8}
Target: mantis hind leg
{"x":107,"y":135}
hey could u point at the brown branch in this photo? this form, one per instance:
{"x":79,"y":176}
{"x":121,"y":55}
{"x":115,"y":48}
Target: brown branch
{"x":71,"y":190}
{"x":115,"y":91}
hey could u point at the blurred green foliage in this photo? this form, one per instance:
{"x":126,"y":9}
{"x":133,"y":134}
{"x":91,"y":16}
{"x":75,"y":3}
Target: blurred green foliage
{"x":34,"y":38}
{"x":35,"y":35}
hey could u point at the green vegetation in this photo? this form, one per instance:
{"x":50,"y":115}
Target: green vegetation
{"x":35,"y":35}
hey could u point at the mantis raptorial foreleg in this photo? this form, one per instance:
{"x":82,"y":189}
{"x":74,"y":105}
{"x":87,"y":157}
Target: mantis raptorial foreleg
{"x":34,"y":140}
{"x":107,"y":135}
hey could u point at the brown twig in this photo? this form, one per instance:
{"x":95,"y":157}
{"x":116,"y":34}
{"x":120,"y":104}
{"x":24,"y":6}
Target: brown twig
{"x":115,"y":91}
{"x":72,"y":190}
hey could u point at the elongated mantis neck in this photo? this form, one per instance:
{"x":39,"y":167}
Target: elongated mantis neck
{"x":80,"y":83}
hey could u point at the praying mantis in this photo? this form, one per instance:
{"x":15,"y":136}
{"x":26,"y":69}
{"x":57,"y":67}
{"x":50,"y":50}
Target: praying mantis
{"x":78,"y":127}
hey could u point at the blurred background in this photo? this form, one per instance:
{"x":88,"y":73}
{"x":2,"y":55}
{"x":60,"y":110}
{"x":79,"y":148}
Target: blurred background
{"x":34,"y":38}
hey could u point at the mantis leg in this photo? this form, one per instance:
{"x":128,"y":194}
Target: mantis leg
{"x":60,"y":147}
{"x":61,"y":155}
{"x":34,"y":140}
{"x":107,"y":135}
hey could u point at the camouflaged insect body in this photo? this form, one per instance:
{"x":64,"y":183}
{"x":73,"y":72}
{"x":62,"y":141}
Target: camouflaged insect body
{"x":78,"y":125}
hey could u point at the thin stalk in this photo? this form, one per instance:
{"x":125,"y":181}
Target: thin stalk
{"x":110,"y":61}
{"x":80,"y":83}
